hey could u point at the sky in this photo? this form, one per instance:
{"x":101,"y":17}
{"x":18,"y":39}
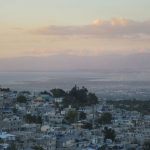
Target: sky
{"x":74,"y":27}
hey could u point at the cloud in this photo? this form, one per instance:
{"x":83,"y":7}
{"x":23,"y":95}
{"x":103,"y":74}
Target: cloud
{"x":98,"y":22}
{"x":113,"y":22}
{"x":119,"y":22}
{"x":116,"y":27}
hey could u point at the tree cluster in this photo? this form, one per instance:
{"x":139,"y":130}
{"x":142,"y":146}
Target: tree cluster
{"x":79,"y":97}
{"x":105,"y":118}
{"x":58,"y":93}
{"x":4,"y":89}
{"x":21,"y":99}
{"x":74,"y":116}
{"x":87,"y":125}
{"x":71,"y":116}
{"x":12,"y":146}
{"x":109,"y":133}
{"x":33,"y":119}
{"x":133,"y":105}
{"x":146,"y":145}
{"x":45,"y":92}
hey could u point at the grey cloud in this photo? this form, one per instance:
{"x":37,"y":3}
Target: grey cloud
{"x":104,"y":29}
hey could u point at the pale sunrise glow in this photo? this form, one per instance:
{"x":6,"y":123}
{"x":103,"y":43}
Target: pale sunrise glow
{"x":41,"y":28}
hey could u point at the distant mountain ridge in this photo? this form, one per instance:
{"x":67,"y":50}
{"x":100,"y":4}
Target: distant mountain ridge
{"x":139,"y":61}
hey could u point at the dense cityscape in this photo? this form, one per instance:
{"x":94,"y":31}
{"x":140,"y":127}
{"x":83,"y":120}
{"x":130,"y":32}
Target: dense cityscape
{"x":75,"y":119}
{"x":74,"y":74}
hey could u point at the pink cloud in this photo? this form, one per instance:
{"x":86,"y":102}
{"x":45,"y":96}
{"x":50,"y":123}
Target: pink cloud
{"x":116,"y":27}
{"x":98,"y":22}
{"x":119,"y":22}
{"x":113,"y":22}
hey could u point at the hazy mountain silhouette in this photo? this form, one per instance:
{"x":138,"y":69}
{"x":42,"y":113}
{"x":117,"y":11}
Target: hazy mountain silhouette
{"x":139,"y":61}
